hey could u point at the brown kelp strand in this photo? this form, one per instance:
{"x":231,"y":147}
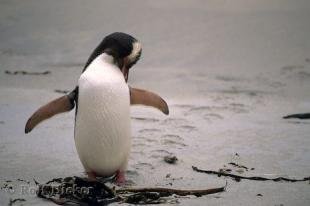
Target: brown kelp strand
{"x":298,"y":116}
{"x":80,"y":191}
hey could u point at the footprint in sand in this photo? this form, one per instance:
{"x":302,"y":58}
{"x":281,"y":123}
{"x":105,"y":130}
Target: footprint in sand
{"x":159,"y":153}
{"x":172,"y":136}
{"x":213,"y":113}
{"x":297,"y":71}
{"x":212,"y":117}
{"x":178,"y":123}
{"x":238,"y":108}
{"x":246,"y":92}
{"x":151,"y":140}
{"x":303,"y":75}
{"x":172,"y":140}
{"x":2,"y":147}
{"x":149,"y":131}
{"x":277,"y":84}
{"x":144,"y":119}
{"x":174,"y":121}
{"x":169,"y":142}
{"x":138,"y":138}
{"x":199,"y":109}
{"x":138,"y":144}
{"x":229,"y":79}
{"x":144,"y":141}
{"x":292,"y":68}
{"x":183,"y":106}
{"x":132,"y":173}
{"x":136,"y":152}
{"x":141,"y":165}
{"x":186,"y":128}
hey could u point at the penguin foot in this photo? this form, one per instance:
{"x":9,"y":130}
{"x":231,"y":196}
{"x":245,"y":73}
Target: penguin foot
{"x":120,"y":178}
{"x":91,"y":176}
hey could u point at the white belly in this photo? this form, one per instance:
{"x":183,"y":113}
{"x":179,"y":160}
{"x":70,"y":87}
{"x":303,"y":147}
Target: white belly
{"x":102,"y":127}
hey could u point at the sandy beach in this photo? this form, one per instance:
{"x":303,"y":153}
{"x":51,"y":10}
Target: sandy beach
{"x":229,"y":72}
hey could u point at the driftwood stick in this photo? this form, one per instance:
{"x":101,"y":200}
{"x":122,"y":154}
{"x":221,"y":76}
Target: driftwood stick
{"x":170,"y":191}
{"x":298,"y":116}
{"x":238,"y":177}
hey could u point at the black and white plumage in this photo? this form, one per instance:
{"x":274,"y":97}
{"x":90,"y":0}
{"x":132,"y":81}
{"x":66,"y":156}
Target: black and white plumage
{"x":102,"y":98}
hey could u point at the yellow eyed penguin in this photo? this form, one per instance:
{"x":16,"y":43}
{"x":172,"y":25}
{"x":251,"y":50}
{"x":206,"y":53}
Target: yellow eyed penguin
{"x":102,"y":97}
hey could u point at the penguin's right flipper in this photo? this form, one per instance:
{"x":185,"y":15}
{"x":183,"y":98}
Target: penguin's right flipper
{"x":147,"y":98}
{"x":59,"y":105}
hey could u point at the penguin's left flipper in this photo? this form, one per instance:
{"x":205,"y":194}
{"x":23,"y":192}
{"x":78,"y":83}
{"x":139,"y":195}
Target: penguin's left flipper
{"x":59,"y":105}
{"x":140,"y":96}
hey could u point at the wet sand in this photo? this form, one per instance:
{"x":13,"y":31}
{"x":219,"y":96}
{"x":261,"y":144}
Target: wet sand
{"x":229,"y":72}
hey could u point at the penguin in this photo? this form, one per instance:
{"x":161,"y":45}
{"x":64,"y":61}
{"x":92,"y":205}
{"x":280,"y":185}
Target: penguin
{"x":102,"y":98}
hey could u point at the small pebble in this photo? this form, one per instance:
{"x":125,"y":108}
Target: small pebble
{"x":171,"y":159}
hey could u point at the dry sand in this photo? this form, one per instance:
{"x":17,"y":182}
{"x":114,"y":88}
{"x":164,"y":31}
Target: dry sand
{"x":228,"y":70}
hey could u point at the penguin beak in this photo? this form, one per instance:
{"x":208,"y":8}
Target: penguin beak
{"x":125,"y":72}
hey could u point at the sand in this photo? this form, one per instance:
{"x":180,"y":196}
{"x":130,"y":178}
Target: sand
{"x":228,"y":70}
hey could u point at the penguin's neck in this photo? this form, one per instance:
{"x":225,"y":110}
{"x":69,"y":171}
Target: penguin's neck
{"x":106,"y":58}
{"x":103,"y":68}
{"x":103,"y":59}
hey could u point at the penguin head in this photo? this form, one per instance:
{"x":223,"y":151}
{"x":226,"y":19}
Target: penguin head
{"x":125,"y":49}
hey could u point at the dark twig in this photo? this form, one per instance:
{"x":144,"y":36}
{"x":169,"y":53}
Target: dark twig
{"x":168,"y":191}
{"x":298,"y":116}
{"x":26,"y":73}
{"x":21,"y":180}
{"x":61,"y":91}
{"x":239,"y":166}
{"x":238,"y":177}
{"x":36,"y":182}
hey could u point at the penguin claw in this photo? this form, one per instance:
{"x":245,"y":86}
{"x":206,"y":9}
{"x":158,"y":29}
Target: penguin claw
{"x":119,"y":178}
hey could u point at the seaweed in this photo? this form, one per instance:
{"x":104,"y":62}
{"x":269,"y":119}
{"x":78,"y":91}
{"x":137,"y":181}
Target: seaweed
{"x":81,"y":191}
{"x":13,"y":201}
{"x":238,"y":178}
{"x":298,"y":116}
